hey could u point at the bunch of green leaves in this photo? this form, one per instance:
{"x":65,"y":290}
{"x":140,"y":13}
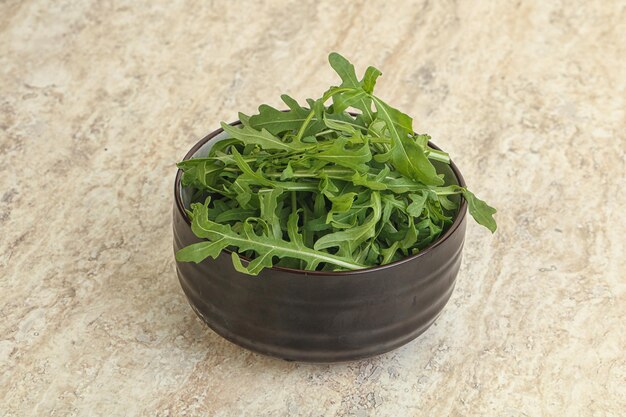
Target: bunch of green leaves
{"x":317,"y":187}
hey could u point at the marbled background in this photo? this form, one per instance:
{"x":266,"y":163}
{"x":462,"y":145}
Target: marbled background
{"x":98,"y":99}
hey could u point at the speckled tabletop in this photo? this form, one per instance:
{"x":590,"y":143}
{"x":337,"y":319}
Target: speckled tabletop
{"x":98,"y":99}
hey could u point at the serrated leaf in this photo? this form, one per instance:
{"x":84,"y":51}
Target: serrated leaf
{"x":480,"y":211}
{"x":197,"y":252}
{"x":234,"y":214}
{"x":268,"y":199}
{"x":340,"y":204}
{"x":199,"y":172}
{"x":353,"y":98}
{"x":410,"y":236}
{"x":406,"y":156}
{"x":418,"y":202}
{"x":222,"y":236}
{"x":276,"y":121}
{"x":263,"y":138}
{"x":338,"y":153}
{"x":346,"y":72}
{"x":348,"y":240}
{"x":369,"y":79}
{"x":389,"y":253}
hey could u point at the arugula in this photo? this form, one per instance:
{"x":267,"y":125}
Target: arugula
{"x":318,"y":188}
{"x":221,"y":236}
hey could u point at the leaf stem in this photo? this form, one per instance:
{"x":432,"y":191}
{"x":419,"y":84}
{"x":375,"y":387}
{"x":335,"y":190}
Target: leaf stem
{"x":437,"y":155}
{"x":306,"y":122}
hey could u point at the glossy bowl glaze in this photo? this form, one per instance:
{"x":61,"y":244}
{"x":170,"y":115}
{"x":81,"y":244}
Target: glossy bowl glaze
{"x":319,"y":316}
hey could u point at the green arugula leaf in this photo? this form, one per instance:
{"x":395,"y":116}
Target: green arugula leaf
{"x":355,"y":158}
{"x":269,"y":203}
{"x":411,"y":235}
{"x":352,"y":98}
{"x":199,"y":172}
{"x":480,"y":211}
{"x":389,"y":253}
{"x":418,"y":202}
{"x":221,"y":236}
{"x":236,"y":214}
{"x":369,"y":79}
{"x":348,"y":240}
{"x":276,"y":121}
{"x":406,"y":155}
{"x":340,"y":204}
{"x":263,"y":138}
{"x":345,"y":70}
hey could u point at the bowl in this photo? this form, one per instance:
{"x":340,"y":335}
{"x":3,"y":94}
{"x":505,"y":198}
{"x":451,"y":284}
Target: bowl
{"x":317,"y":316}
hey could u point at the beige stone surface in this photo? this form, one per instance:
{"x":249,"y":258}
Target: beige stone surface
{"x":98,"y":99}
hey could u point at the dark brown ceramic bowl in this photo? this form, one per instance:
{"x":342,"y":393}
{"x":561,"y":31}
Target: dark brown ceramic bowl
{"x":320,"y":316}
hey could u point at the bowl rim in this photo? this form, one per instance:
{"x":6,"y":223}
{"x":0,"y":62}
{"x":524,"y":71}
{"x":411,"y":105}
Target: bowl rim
{"x":428,"y":249}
